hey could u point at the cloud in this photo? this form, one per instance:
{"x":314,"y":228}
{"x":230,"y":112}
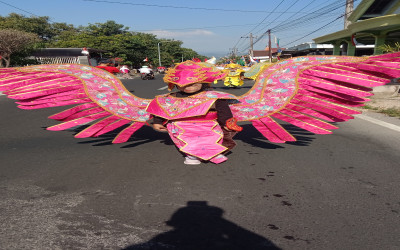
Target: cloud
{"x":180,"y":34}
{"x":199,"y":40}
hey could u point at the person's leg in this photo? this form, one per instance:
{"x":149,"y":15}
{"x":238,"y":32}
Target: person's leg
{"x":191,"y":160}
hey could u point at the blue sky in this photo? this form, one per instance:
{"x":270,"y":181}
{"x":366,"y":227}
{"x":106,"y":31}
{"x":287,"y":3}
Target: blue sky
{"x":208,"y":27}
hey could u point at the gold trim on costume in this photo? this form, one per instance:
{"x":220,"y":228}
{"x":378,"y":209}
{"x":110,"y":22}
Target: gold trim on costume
{"x":216,"y":142}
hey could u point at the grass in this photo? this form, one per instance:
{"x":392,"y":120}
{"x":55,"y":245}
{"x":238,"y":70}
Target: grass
{"x":393,"y":112}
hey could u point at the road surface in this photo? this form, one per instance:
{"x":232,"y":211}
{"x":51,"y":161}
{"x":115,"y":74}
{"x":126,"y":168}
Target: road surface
{"x":338,"y":191}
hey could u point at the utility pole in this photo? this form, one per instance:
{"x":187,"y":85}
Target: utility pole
{"x":234,"y":52}
{"x":347,"y":13}
{"x":251,"y":44}
{"x":269,"y":46}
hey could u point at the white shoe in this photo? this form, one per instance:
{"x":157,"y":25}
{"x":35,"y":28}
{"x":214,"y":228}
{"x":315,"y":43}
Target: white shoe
{"x":191,"y":160}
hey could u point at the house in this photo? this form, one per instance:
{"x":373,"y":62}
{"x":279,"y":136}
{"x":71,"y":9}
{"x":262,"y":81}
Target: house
{"x":86,"y":56}
{"x":311,"y":48}
{"x":373,"y":22}
{"x":263,"y":55}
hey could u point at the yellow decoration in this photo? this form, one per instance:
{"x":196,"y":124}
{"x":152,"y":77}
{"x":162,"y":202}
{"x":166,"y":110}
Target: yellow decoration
{"x":234,"y":78}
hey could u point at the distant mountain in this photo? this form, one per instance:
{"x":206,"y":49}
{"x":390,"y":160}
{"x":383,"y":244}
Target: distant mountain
{"x":217,"y":54}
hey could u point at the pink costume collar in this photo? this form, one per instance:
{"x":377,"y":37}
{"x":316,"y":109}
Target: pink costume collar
{"x":173,"y":108}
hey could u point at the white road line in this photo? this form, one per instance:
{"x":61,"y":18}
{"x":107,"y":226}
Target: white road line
{"x":163,"y":88}
{"x":379,"y":122}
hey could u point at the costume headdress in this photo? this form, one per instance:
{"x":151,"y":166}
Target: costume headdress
{"x":233,"y":66}
{"x":190,"y":72}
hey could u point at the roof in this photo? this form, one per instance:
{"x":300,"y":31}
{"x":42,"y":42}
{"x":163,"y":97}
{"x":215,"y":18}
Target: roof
{"x":309,"y":45}
{"x":54,"y":52}
{"x":374,"y":8}
{"x":258,"y":53}
{"x":370,"y":17}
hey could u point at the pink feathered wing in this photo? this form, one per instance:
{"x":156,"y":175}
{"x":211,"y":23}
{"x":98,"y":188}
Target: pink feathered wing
{"x":103,"y":100}
{"x":309,"y":92}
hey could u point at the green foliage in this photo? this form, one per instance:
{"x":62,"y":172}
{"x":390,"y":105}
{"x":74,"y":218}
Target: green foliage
{"x":14,"y":41}
{"x":390,"y":48}
{"x":114,"y":38}
{"x":37,"y":25}
{"x":108,"y":28}
{"x":393,"y":112}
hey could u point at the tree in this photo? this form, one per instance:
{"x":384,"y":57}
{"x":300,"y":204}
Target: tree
{"x":41,"y":26}
{"x":114,"y":38}
{"x":12,"y":41}
{"x":108,"y":28}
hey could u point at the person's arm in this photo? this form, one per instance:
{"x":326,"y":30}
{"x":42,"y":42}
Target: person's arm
{"x":223,"y":111}
{"x":158,"y":124}
{"x":225,"y":117}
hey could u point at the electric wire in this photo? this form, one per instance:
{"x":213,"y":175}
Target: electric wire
{"x":179,"y":7}
{"x":25,"y":11}
{"x":273,"y":11}
{"x":314,"y":30}
{"x":18,"y":8}
{"x":280,"y":16}
{"x":319,"y":13}
{"x":308,"y":18}
{"x":287,"y":19}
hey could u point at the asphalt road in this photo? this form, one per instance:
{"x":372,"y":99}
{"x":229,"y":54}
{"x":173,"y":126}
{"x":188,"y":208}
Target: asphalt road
{"x":338,"y":191}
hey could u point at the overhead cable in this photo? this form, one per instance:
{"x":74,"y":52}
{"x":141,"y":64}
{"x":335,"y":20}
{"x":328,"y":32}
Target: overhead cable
{"x":314,"y":30}
{"x":178,"y":7}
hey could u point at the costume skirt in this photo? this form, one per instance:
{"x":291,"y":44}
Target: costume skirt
{"x":199,"y":136}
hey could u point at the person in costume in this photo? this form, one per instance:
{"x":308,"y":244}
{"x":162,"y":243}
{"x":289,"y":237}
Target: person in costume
{"x":310,"y":92}
{"x":235,"y":75}
{"x":198,"y":119}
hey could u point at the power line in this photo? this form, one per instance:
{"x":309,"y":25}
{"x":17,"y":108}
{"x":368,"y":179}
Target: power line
{"x":18,"y":8}
{"x":180,"y":7}
{"x":283,"y":12}
{"x":316,"y":14}
{"x":314,"y":30}
{"x":209,"y":27}
{"x":24,"y":10}
{"x":273,"y":11}
{"x":295,"y":13}
{"x":325,"y":10}
{"x":236,"y":45}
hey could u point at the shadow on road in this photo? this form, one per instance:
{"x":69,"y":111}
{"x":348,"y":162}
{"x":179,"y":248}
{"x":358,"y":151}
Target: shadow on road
{"x":250,"y":135}
{"x":144,"y":135}
{"x":200,"y":226}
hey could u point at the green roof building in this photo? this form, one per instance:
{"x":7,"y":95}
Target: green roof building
{"x":373,"y":22}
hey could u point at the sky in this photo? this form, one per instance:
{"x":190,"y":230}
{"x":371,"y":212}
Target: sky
{"x":211,"y":28}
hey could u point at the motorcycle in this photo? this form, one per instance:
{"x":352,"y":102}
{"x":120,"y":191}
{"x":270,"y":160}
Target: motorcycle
{"x":147,"y":76}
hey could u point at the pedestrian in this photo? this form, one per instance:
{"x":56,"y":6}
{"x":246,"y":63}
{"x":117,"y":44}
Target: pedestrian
{"x":124,"y":70}
{"x":198,"y":120}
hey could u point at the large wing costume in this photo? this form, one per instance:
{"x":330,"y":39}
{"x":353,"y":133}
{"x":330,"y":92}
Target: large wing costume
{"x":308,"y":92}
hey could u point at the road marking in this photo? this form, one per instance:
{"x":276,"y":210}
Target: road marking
{"x":163,"y":88}
{"x":379,"y":122}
